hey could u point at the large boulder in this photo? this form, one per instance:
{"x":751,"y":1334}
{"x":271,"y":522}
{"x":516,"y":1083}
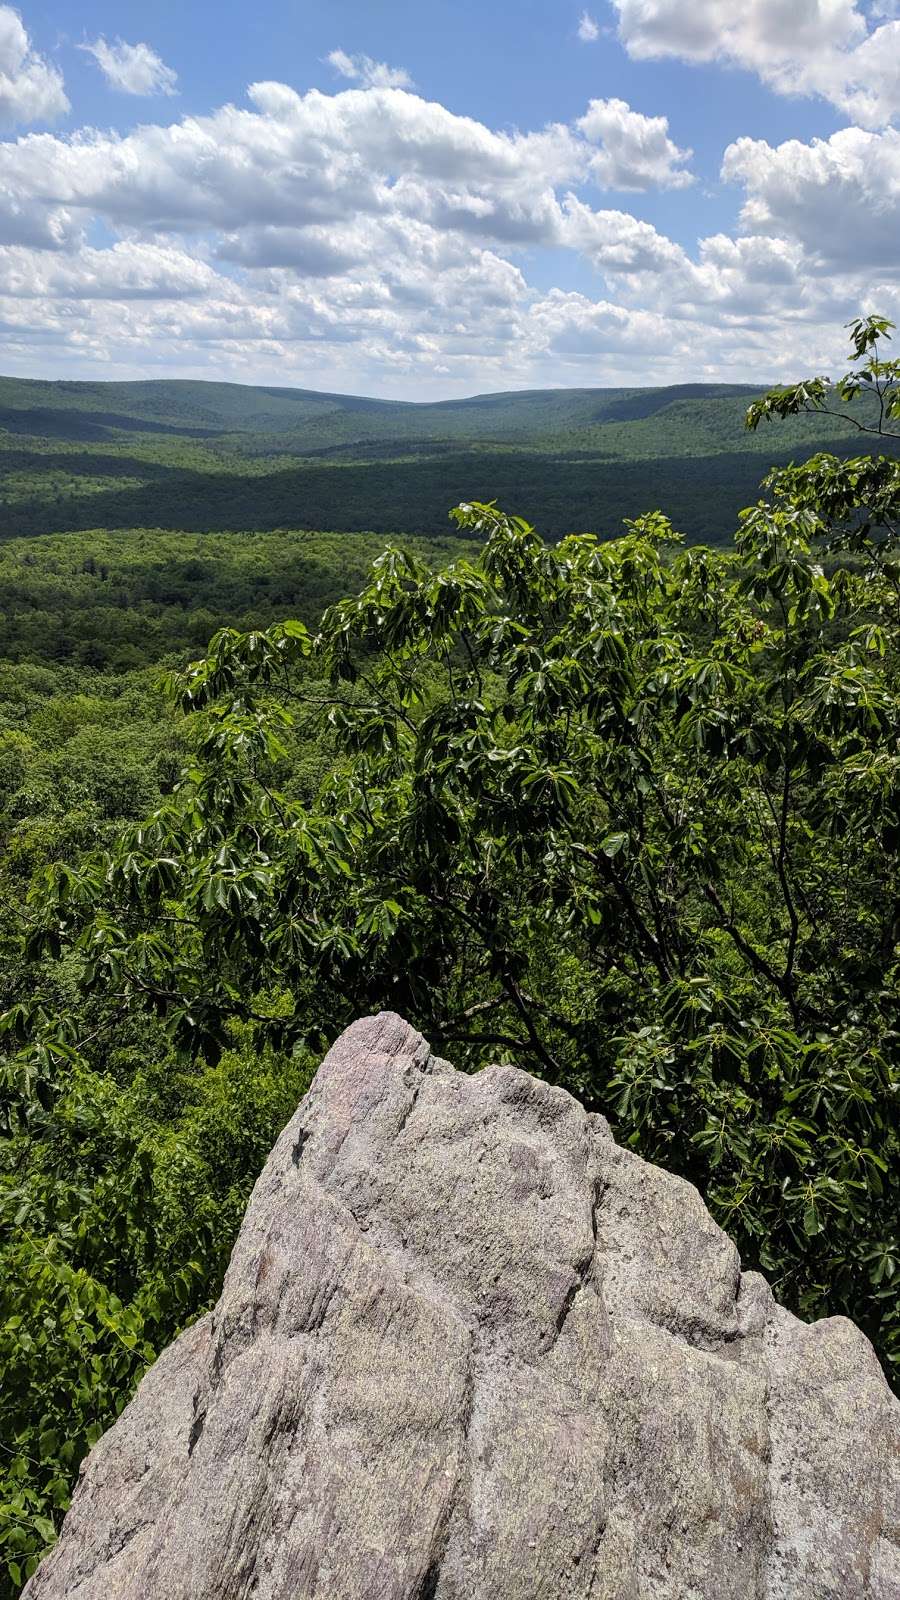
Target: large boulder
{"x":469,"y":1349}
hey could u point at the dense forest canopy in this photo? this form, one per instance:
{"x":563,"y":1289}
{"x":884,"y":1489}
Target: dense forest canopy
{"x":624,"y":812}
{"x":131,"y":598}
{"x":207,"y":457}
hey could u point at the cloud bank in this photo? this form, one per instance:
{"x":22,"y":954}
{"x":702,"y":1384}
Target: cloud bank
{"x":371,"y":239}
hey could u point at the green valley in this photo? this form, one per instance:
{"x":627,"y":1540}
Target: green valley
{"x":209,"y":457}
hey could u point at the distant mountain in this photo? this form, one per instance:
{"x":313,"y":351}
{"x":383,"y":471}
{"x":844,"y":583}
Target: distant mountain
{"x":204,"y":410}
{"x":181,"y":454}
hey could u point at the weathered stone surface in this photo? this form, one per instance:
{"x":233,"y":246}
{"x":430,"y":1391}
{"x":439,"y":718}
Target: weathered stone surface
{"x":468,"y":1349}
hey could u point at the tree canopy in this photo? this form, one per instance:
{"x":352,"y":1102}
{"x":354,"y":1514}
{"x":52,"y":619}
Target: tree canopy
{"x":625,"y":813}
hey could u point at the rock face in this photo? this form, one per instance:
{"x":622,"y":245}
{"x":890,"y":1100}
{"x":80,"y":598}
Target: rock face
{"x":469,"y":1349}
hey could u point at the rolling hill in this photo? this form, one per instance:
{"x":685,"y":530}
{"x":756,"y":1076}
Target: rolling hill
{"x":217,"y":457}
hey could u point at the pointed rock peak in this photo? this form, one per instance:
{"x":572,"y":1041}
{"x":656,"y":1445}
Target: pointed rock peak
{"x":468,"y":1349}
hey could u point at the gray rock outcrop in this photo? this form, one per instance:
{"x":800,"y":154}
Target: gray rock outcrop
{"x":469,"y":1349}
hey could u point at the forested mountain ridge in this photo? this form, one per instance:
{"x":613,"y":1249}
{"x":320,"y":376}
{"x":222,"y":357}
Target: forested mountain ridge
{"x":210,"y":457}
{"x":203,"y":408}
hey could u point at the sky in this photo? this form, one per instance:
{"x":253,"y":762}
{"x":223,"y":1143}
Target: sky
{"x":430,"y":198}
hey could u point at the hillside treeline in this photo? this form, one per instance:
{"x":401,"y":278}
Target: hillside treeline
{"x":202,"y":458}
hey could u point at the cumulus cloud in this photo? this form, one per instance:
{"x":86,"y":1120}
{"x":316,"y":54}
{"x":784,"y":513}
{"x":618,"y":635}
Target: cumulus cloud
{"x":616,"y":242}
{"x":832,"y":48}
{"x":38,"y":226}
{"x":281,"y":182}
{"x":314,"y":252}
{"x":132,"y":68}
{"x":635,"y":151}
{"x":867,"y":86}
{"x":796,"y":191}
{"x":588,"y":29}
{"x":30,"y":89}
{"x":370,"y":238}
{"x":312,"y":160}
{"x":126,"y":270}
{"x":571,"y":324}
{"x":757,"y":33}
{"x":371,"y":74}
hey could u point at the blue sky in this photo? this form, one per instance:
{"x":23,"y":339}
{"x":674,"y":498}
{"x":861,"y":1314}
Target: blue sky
{"x":438,"y":198}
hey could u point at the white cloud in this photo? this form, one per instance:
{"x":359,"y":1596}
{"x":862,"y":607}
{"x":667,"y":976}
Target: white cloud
{"x":35,"y":226}
{"x":757,"y":33}
{"x":314,"y":252}
{"x":635,"y":151}
{"x":806,"y":47}
{"x":132,"y":68}
{"x":868,"y":88}
{"x":588,"y":29}
{"x":441,"y":317}
{"x":30,"y":89}
{"x":371,"y":74}
{"x":838,"y":197}
{"x":280,"y":183}
{"x":307,"y":161}
{"x":127,"y":270}
{"x":616,"y":242}
{"x":369,"y":239}
{"x":752,"y":278}
{"x":573,"y":325}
